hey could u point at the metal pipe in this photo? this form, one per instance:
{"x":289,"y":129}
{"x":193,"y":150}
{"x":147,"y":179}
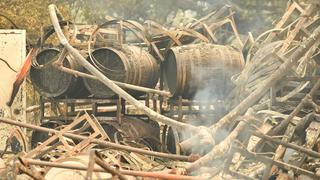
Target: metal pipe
{"x":121,"y":84}
{"x":102,"y":143}
{"x":267,"y":160}
{"x":109,"y":169}
{"x":160,"y":175}
{"x":286,"y":144}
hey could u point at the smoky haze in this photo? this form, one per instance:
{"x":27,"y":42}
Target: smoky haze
{"x":250,"y":15}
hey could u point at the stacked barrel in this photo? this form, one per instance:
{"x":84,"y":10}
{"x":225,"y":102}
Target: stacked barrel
{"x":191,"y":68}
{"x":130,"y":64}
{"x":186,"y":69}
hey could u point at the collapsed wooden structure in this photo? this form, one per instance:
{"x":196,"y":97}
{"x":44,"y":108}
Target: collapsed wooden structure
{"x":269,"y":125}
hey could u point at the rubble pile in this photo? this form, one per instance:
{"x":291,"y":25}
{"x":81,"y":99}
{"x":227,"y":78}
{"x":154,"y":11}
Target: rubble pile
{"x":265,"y":126}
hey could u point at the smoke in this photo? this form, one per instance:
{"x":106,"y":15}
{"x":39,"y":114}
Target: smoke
{"x":214,"y":84}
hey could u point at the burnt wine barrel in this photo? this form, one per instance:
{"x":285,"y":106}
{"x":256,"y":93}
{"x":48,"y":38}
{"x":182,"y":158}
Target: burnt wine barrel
{"x":131,"y":65}
{"x":201,"y":67}
{"x":53,"y":83}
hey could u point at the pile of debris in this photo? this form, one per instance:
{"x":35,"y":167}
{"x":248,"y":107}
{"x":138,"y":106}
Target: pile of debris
{"x":269,"y":128}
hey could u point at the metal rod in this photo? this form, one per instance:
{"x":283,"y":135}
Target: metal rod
{"x":33,"y":174}
{"x":97,"y":141}
{"x":109,"y":169}
{"x":285,"y":123}
{"x":267,"y":160}
{"x":160,"y":175}
{"x":289,"y":145}
{"x":121,"y":84}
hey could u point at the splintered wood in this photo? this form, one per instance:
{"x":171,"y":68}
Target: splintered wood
{"x":285,"y":146}
{"x":270,"y":128}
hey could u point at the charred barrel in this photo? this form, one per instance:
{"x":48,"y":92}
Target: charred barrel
{"x":53,"y":83}
{"x":204,"y":69}
{"x":130,"y":64}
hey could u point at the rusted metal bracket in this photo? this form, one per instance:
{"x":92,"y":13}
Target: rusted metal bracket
{"x":102,"y":143}
{"x":98,"y":131}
